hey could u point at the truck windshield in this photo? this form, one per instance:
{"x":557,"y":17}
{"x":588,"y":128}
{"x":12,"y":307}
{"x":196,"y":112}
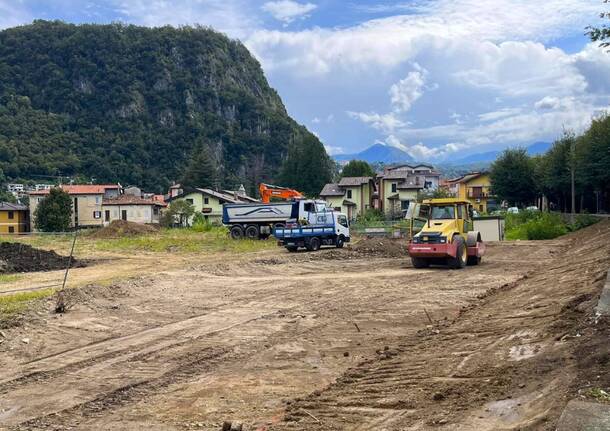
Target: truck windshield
{"x":320,"y":207}
{"x":443,"y":212}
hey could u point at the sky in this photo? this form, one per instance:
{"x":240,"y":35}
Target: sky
{"x":440,"y":79}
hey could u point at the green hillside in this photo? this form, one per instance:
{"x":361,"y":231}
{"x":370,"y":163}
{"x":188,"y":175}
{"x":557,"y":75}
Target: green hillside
{"x":132,"y":104}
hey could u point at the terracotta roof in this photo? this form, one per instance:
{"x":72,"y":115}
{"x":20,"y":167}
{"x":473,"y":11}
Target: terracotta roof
{"x":332,"y":189}
{"x":354,"y":181}
{"x":81,"y":189}
{"x":7,"y":206}
{"x":131,"y":200}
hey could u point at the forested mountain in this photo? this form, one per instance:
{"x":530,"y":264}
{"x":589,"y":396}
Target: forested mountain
{"x":132,"y":104}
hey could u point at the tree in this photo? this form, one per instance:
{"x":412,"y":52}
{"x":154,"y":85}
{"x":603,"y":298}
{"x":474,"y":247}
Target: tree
{"x":307,"y":167}
{"x":357,"y":168}
{"x":201,"y":172}
{"x":180,"y":211}
{"x":512,"y":177}
{"x":601,"y":34}
{"x":54,"y":212}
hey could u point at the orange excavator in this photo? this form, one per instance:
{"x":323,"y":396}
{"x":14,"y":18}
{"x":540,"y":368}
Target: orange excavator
{"x":268,"y":191}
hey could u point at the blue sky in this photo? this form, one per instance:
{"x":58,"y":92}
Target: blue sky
{"x":438,"y":78}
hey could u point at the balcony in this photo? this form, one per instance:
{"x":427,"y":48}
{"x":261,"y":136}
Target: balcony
{"x":478,"y":193}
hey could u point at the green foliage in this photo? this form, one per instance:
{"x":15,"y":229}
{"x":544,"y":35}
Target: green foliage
{"x":357,"y":168}
{"x":532,"y":225}
{"x":200,"y":224}
{"x":54,"y":212}
{"x":201,"y":171}
{"x":121,"y":103}
{"x":307,"y":167}
{"x":583,"y":220}
{"x":370,"y":215}
{"x":601,"y":34}
{"x":513,"y":177}
{"x":438,"y":193}
{"x":179,"y":213}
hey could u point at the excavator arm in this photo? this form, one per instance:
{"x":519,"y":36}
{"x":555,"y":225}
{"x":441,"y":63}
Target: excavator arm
{"x":268,"y":191}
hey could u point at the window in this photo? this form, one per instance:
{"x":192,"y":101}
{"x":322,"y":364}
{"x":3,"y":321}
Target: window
{"x":404,"y":205}
{"x":349,"y":194}
{"x":460,"y":211}
{"x":11,"y":215}
{"x":124,"y":215}
{"x":309,"y":207}
{"x":156,"y":211}
{"x":206,"y":201}
{"x":107,"y":212}
{"x":443,"y":212}
{"x":394,"y":187}
{"x":97,"y":214}
{"x":190,"y":201}
{"x":342,"y":221}
{"x":337,"y":208}
{"x":11,"y":229}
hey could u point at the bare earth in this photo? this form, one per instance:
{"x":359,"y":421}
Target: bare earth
{"x":316,"y":341}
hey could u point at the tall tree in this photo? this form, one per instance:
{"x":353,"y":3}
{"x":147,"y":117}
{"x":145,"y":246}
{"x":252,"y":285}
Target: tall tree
{"x":307,"y":167}
{"x":201,"y":171}
{"x":54,"y":212}
{"x":357,"y":168}
{"x":512,"y":177}
{"x":601,"y":34}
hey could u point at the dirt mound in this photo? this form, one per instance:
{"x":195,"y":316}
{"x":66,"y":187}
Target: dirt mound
{"x":120,"y":228}
{"x":381,"y":247}
{"x":16,"y":257}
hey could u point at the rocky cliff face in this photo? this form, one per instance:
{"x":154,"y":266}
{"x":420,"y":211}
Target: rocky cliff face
{"x":131,"y":104}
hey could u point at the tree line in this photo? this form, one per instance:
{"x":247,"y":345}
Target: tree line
{"x":521,"y":180}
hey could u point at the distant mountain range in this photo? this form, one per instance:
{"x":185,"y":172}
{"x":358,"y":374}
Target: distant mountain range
{"x":489,"y":156}
{"x":380,"y":153}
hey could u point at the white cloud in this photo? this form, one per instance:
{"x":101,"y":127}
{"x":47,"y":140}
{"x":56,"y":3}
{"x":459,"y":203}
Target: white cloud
{"x":288,"y":10}
{"x":408,"y":90}
{"x":332,"y":150}
{"x":383,"y":122}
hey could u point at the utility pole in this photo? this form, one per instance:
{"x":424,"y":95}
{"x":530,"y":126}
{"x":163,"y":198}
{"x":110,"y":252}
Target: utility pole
{"x":572,"y":175}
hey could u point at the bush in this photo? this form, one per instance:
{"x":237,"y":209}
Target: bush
{"x":533,"y":225}
{"x":582,"y":221}
{"x":371,"y":215}
{"x":200,"y":224}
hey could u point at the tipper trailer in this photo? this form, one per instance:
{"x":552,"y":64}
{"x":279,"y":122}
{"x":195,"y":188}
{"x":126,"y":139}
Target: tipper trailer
{"x":257,"y":220}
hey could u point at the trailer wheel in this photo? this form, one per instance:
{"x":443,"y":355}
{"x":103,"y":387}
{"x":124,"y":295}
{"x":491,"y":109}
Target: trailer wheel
{"x":252,"y":232}
{"x":419,"y":262}
{"x":340,"y":241}
{"x":314,"y":244}
{"x":236,"y":232}
{"x":292,"y":248}
{"x":461,"y":256}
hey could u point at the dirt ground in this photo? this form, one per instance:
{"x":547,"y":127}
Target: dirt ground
{"x":16,"y":257}
{"x":335,"y":340}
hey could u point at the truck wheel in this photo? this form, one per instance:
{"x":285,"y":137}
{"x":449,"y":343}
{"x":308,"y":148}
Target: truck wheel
{"x":474,"y":260}
{"x":461,"y":257}
{"x":419,"y":262}
{"x":314,"y":244}
{"x":292,"y":248}
{"x":279,"y":226}
{"x":236,"y":232}
{"x":252,"y":232}
{"x":340,"y":242}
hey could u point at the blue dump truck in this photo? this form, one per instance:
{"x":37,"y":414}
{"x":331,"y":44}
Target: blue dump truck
{"x":331,"y":228}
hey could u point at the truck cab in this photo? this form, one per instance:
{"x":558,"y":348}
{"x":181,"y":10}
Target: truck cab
{"x":447,"y":235}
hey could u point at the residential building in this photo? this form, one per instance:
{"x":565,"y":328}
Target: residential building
{"x":351,"y":195}
{"x":399,"y":186}
{"x":476,"y":188}
{"x":209,"y":202}
{"x":14,"y":218}
{"x":39,"y":187}
{"x":131,"y":208}
{"x":87,"y":200}
{"x":15,"y":188}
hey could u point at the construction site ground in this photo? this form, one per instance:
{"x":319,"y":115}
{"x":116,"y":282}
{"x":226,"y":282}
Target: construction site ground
{"x":352,"y":339}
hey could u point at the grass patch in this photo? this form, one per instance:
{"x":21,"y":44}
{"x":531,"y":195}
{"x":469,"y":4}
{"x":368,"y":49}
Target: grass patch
{"x":201,"y":239}
{"x":11,"y":306}
{"x":599,"y":394}
{"x":9,"y":278}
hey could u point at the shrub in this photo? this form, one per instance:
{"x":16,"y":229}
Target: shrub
{"x":534,"y":225}
{"x":582,"y":221}
{"x":371,"y":215}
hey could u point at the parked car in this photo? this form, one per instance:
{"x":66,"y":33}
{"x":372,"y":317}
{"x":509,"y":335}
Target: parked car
{"x":513,"y":210}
